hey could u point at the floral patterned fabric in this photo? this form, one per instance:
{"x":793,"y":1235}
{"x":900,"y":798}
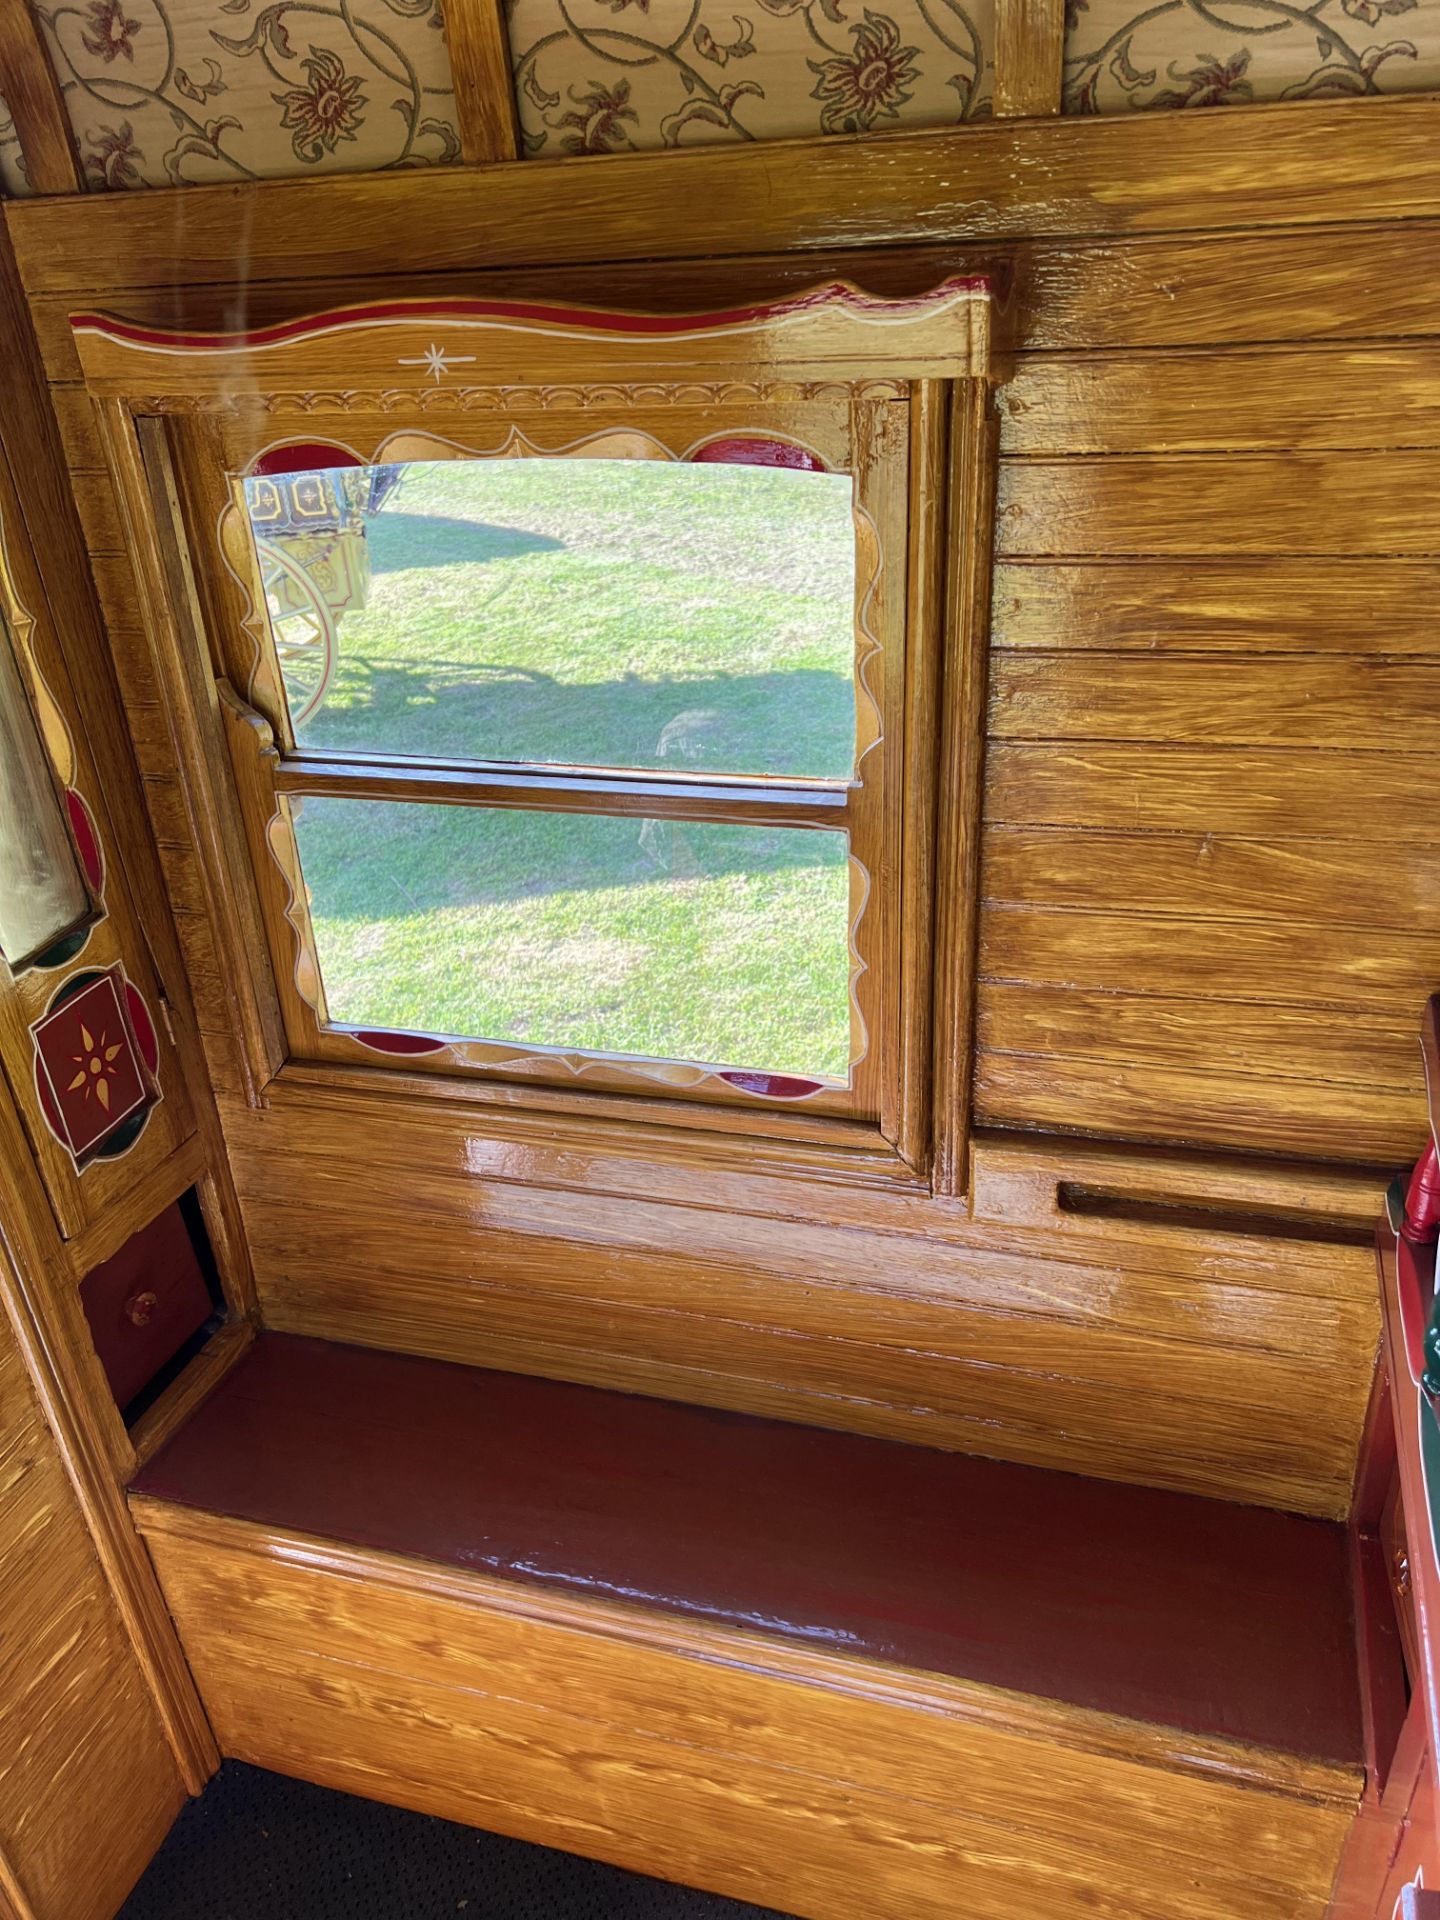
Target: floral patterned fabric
{"x":12,"y":167}
{"x":611,"y":76}
{"x":1194,"y":53}
{"x":169,"y":92}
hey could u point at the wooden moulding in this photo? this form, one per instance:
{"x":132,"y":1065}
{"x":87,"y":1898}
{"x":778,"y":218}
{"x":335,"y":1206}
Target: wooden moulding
{"x":32,"y":94}
{"x":1029,"y":57}
{"x":830,"y":333}
{"x":1080,"y":174}
{"x":831,"y":362}
{"x":819,"y":1783}
{"x":485,"y":109}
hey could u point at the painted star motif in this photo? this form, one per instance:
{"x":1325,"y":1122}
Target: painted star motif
{"x":438,"y":361}
{"x":96,"y":1068}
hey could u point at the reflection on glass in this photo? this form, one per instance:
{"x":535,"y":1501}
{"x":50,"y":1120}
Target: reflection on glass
{"x":725,"y":945}
{"x":622,"y":613}
{"x":42,"y":895}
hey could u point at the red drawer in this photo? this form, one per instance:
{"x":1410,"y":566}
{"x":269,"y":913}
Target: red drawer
{"x":144,"y":1303}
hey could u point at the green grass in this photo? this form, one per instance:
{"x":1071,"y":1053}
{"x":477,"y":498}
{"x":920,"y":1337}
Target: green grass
{"x":601,"y":613}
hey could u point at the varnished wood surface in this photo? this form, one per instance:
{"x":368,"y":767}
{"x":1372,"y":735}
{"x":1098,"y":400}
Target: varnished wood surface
{"x":1290,"y":741}
{"x":1006,"y":178}
{"x":1164,"y":1354}
{"x":1029,"y":56}
{"x":1176,"y":939}
{"x":777,"y":1772}
{"x":32,"y":96}
{"x":475,"y":34}
{"x":1213,"y":1619}
{"x":88,"y":1787}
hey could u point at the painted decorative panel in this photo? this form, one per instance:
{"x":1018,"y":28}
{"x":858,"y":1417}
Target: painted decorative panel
{"x":174,"y":92}
{"x":12,"y":166}
{"x":1120,"y":54}
{"x":607,"y":76}
{"x":95,"y":1060}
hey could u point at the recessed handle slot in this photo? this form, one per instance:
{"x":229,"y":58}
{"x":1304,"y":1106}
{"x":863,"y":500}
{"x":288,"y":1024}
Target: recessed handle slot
{"x":1196,"y":1216}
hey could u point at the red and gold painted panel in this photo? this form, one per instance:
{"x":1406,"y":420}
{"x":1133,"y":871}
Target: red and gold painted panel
{"x":94,"y":1075}
{"x":92,"y":1107}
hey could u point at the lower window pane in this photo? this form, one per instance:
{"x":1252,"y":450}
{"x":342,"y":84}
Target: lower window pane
{"x":728,"y":946}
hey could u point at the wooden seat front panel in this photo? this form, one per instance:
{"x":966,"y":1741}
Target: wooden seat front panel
{"x":830,"y":1674}
{"x":828,"y":1787}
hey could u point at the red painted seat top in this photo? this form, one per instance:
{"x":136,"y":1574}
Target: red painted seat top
{"x":1186,"y":1612}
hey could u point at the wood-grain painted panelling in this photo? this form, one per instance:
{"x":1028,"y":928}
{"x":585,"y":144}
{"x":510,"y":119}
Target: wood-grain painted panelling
{"x":825,"y":1782}
{"x":78,"y":1727}
{"x":1166,"y":1356}
{"x":1209,"y":897}
{"x":1212,"y":683}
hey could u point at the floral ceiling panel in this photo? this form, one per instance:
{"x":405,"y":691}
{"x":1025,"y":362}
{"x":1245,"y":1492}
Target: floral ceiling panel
{"x":1192,"y":53}
{"x":171,"y":92}
{"x":609,"y":76}
{"x":12,"y":167}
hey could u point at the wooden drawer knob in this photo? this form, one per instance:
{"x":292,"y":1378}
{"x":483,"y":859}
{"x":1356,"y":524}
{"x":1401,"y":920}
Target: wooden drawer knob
{"x":140,"y":1307}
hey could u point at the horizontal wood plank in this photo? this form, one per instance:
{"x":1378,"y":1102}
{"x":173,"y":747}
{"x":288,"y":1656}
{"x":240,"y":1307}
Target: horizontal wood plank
{"x":1142,"y":1102}
{"x":1234,"y":790}
{"x":1251,"y":399}
{"x":1323,"y":503}
{"x":1080,"y":174}
{"x":1270,"y":1043}
{"x":1284,"y":285}
{"x":1213,"y":876}
{"x":1219,"y":605}
{"x":1281,"y":701}
{"x":1318,"y":966}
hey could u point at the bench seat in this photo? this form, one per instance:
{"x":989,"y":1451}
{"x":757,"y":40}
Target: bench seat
{"x":826,"y":1673}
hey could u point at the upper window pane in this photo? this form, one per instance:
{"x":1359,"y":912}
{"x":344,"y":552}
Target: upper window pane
{"x":651,"y":614}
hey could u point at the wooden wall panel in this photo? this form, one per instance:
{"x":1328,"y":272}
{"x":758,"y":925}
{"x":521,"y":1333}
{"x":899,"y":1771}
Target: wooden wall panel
{"x":1210,"y":899}
{"x":1213,"y":684}
{"x":88,"y":1786}
{"x":1170,"y":1360}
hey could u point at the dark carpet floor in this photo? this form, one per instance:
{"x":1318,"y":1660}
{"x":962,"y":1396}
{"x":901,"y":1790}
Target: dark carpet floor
{"x":257,"y":1846}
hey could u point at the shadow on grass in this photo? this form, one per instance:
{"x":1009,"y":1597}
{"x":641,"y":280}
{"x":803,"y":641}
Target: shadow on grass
{"x":799,"y":723}
{"x":401,"y":541}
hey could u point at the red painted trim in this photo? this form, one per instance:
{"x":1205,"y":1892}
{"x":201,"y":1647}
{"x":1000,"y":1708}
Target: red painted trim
{"x":87,"y":840}
{"x":303,"y":456}
{"x":756,"y":450}
{"x":143,"y":1025}
{"x":383,"y":1042}
{"x":837,"y":293}
{"x":773,"y":1086}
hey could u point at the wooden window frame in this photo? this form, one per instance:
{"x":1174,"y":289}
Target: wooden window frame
{"x":892,"y":391}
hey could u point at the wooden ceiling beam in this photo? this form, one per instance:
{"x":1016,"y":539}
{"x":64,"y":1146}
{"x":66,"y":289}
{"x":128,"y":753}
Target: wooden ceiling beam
{"x":32,"y":93}
{"x":1029,"y":57}
{"x":1292,"y":164}
{"x":484,"y":83}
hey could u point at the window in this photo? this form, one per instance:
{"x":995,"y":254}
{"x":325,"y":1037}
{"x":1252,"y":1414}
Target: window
{"x":576,"y":786}
{"x":580,"y":676}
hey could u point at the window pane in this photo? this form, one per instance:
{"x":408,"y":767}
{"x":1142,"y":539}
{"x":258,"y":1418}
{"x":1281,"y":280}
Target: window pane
{"x":723,"y":945}
{"x":624,"y":613}
{"x":41,"y":893}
